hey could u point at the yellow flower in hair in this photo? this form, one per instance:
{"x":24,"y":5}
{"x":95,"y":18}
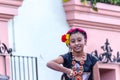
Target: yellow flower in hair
{"x":67,"y":42}
{"x":67,"y":36}
{"x":67,"y":39}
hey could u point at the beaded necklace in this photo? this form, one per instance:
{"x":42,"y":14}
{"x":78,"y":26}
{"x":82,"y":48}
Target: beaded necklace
{"x":78,"y":69}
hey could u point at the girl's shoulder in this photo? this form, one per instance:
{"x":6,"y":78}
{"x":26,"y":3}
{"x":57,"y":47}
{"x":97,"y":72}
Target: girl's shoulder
{"x":92,"y":58}
{"x":67,"y":55}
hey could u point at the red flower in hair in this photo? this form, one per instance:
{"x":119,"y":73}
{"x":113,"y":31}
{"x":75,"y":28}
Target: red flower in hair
{"x":65,"y":38}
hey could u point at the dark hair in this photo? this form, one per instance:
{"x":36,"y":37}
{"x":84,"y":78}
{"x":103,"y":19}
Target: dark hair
{"x":75,"y":30}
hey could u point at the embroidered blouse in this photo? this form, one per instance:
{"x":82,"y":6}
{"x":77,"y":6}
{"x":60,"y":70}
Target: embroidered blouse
{"x":87,"y":67}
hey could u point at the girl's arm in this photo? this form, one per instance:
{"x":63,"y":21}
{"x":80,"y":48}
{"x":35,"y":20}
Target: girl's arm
{"x":56,"y":65}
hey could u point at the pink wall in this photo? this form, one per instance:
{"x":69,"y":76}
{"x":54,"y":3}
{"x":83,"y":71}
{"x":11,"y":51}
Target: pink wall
{"x":99,"y":25}
{"x":107,"y":71}
{"x":8,"y":9}
{"x":4,"y":32}
{"x":97,"y":38}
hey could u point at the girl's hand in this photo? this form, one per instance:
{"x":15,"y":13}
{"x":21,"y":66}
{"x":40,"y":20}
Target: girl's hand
{"x":71,"y":74}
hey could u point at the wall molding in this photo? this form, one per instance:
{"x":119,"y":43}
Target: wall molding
{"x":9,"y":8}
{"x":107,"y":17}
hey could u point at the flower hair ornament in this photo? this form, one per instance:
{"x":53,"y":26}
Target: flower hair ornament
{"x":65,"y":38}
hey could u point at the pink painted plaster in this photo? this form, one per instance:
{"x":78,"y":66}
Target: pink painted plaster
{"x":8,"y":9}
{"x":101,"y":25}
{"x":109,"y":71}
{"x":78,"y":14}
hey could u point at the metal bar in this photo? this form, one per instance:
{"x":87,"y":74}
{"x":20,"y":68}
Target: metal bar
{"x":23,"y":68}
{"x":28,"y":68}
{"x":19,"y":67}
{"x":23,"y":65}
{"x":14,"y":68}
{"x":36,"y":68}
{"x":11,"y":67}
{"x":32,"y":68}
{"x":5,"y":65}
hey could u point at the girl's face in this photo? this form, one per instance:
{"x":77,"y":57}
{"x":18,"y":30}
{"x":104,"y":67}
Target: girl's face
{"x":77,"y":42}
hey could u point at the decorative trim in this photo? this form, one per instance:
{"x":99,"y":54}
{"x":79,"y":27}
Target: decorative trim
{"x":11,"y":2}
{"x":4,"y":49}
{"x":94,"y":25}
{"x":9,"y":8}
{"x":107,"y":17}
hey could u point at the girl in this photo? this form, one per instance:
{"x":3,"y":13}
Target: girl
{"x":77,"y":64}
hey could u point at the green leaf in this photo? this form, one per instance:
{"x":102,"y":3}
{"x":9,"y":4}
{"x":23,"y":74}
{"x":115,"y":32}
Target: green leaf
{"x":65,"y":0}
{"x":94,"y":2}
{"x":82,"y":1}
{"x":95,"y":8}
